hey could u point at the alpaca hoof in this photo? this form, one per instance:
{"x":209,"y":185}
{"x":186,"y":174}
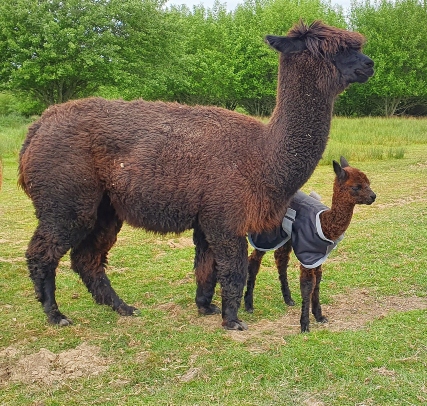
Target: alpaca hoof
{"x":249,"y":305}
{"x":322,"y":319}
{"x":125,"y":310}
{"x":57,"y":318}
{"x":65,"y":322}
{"x":235,"y":325}
{"x":209,"y":310}
{"x":305,"y":328}
{"x":289,"y":302}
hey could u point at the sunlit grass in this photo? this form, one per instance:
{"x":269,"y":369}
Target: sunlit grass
{"x":12,"y":133}
{"x":373,"y":138}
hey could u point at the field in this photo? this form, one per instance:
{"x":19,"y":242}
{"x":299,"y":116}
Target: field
{"x":373,"y":351}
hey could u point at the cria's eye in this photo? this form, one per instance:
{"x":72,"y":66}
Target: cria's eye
{"x":356,"y":188}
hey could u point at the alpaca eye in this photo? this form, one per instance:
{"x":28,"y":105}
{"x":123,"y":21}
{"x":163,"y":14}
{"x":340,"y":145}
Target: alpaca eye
{"x":356,"y":188}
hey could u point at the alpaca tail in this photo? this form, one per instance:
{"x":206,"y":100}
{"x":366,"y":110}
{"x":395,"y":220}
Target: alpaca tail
{"x":315,"y":196}
{"x":32,"y":130}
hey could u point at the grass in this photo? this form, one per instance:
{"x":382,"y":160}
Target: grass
{"x":171,"y":356}
{"x":12,"y":132}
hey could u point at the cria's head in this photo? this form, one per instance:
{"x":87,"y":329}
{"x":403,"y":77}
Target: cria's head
{"x":351,"y":184}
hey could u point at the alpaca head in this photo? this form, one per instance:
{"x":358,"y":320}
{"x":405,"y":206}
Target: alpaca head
{"x":351,"y":184}
{"x":338,"y":48}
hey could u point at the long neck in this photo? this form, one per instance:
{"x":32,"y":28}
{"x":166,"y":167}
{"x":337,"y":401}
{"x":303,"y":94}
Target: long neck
{"x":299,"y":126}
{"x":337,"y":219}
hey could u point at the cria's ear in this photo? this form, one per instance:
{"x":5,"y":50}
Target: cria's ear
{"x":344,"y":162}
{"x":340,"y":172}
{"x":285,"y":45}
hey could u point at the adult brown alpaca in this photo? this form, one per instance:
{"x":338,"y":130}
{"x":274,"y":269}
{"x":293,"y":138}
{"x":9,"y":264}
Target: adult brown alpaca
{"x":351,"y":187}
{"x":91,"y":164}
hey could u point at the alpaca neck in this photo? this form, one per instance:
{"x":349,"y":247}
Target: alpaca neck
{"x":337,"y":219}
{"x":299,"y":127}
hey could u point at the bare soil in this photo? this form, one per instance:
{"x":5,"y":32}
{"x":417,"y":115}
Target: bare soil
{"x":46,"y":367}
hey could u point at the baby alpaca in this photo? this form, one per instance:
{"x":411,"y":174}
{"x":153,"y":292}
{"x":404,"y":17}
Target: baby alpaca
{"x":351,"y":187}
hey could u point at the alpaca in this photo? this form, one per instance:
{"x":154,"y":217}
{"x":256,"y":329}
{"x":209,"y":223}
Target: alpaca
{"x":351,"y":187}
{"x":92,"y":164}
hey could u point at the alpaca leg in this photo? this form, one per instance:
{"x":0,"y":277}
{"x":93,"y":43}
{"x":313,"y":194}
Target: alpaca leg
{"x":89,"y":258}
{"x":315,"y":302}
{"x":282,"y":255}
{"x":307,"y":282}
{"x":206,"y":275}
{"x":231,"y":257}
{"x":253,"y":268}
{"x":43,"y":255}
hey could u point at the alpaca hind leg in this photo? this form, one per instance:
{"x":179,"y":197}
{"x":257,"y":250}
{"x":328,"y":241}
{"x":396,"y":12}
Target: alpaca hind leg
{"x":253,"y":268}
{"x":315,"y":300}
{"x":282,"y":255}
{"x":206,"y":275}
{"x":89,"y":259}
{"x":231,"y":257}
{"x":43,"y":254}
{"x":307,"y":282}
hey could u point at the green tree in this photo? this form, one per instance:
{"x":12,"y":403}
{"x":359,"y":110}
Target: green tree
{"x":57,"y":50}
{"x":150,"y":49}
{"x":397,"y":42}
{"x":202,"y":70}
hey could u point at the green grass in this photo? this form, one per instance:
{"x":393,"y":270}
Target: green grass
{"x":12,"y":132}
{"x":368,"y":139}
{"x":171,"y":356}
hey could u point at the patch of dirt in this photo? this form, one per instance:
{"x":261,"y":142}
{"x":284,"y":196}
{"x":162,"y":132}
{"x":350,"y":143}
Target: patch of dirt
{"x":181,"y":242}
{"x":349,"y":311}
{"x":46,"y":367}
{"x":12,"y":260}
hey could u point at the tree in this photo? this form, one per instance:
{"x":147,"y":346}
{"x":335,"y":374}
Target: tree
{"x":57,"y":50}
{"x":396,"y":33}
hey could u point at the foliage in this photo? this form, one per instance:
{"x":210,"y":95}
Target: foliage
{"x":57,"y":50}
{"x":396,"y":32}
{"x":53,"y":51}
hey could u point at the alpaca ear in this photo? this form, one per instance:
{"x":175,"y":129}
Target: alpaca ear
{"x":344,"y":162}
{"x":339,"y":171}
{"x":285,"y":45}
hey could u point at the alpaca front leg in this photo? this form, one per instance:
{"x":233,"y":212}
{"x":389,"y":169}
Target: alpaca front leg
{"x":231,"y":258}
{"x":281,"y":256}
{"x":315,"y":299}
{"x":253,"y":268}
{"x":307,"y":282}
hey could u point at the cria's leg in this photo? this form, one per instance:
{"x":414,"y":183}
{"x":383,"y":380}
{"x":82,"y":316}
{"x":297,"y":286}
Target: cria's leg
{"x":206,"y":274}
{"x":281,"y":255}
{"x":307,"y":283}
{"x":315,"y":301}
{"x":43,"y":254}
{"x":231,"y":258}
{"x":89,"y":258}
